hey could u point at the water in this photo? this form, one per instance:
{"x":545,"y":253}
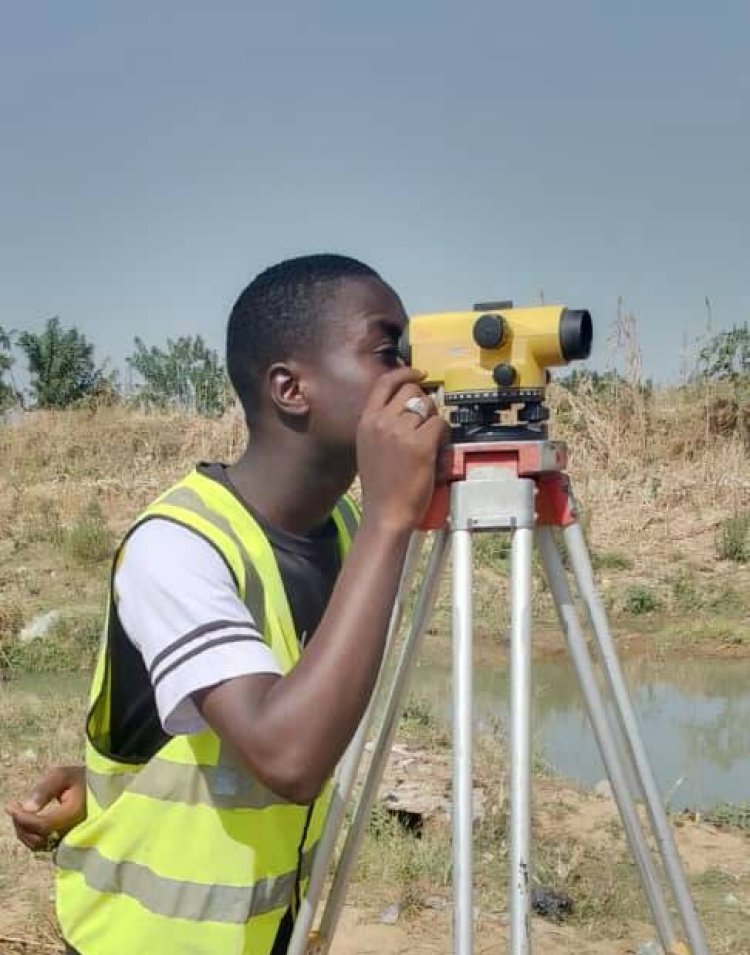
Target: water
{"x":694,"y":717}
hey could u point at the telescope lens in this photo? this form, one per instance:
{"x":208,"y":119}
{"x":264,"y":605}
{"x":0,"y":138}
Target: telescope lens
{"x":576,"y":334}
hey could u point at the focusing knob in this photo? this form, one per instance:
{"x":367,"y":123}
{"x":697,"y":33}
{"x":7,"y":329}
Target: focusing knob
{"x":504,"y":375}
{"x":489,"y":331}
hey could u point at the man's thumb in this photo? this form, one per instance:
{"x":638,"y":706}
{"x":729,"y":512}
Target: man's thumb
{"x":39,"y":796}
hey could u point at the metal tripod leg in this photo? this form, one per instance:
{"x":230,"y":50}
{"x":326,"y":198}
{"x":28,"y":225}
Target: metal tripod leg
{"x":607,"y":744}
{"x":520,"y":742}
{"x":582,"y":570}
{"x":463,"y":906}
{"x":493,"y":499}
{"x":347,"y":774}
{"x":356,"y":831}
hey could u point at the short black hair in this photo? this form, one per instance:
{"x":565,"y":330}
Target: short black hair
{"x":279,"y":314}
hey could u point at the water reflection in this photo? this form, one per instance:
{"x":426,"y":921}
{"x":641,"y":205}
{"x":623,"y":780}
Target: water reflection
{"x":694,"y":716}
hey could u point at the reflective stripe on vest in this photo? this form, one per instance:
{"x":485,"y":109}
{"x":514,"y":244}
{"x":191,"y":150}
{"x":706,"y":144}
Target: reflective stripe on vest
{"x":221,"y":786}
{"x":173,"y":899}
{"x":190,"y":835}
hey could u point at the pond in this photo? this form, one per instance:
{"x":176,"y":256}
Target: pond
{"x":694,"y":717}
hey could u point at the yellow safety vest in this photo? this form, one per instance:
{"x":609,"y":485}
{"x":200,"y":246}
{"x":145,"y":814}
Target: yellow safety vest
{"x":188,"y":853}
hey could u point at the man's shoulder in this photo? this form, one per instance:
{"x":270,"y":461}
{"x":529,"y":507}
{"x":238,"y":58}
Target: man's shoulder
{"x":163,"y":548}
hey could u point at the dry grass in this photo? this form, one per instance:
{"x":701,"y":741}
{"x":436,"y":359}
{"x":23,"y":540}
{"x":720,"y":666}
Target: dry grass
{"x":655,"y":475}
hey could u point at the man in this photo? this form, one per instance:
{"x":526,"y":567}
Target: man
{"x":241,"y":651}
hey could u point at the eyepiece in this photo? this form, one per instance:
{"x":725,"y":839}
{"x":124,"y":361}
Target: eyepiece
{"x":404,"y":347}
{"x":576,"y":334}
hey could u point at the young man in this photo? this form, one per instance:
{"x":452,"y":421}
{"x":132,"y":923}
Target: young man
{"x":241,"y":648}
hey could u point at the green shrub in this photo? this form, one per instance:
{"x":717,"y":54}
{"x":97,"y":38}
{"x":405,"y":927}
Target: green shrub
{"x":733,"y":539}
{"x":640,"y":600}
{"x":90,"y":540}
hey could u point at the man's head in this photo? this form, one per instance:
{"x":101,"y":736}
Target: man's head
{"x":306,"y":341}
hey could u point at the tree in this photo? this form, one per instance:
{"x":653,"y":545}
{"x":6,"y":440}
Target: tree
{"x":7,"y":390}
{"x":726,"y":356}
{"x":61,"y":364}
{"x":187,"y":375}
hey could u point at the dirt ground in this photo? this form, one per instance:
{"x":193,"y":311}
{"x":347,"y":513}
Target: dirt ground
{"x":717,"y":861}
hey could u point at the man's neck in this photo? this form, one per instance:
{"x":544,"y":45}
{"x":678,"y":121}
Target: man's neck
{"x":296,"y":497}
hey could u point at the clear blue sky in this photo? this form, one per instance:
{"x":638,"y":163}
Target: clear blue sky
{"x":155,"y":156}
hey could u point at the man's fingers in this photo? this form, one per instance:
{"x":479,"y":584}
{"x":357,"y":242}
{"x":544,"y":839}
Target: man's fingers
{"x":33,"y":842}
{"x":35,"y":823}
{"x":389,"y":384}
{"x":52,"y":785}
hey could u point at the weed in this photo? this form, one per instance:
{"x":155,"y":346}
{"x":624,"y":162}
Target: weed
{"x":408,"y":866}
{"x":419,"y":711}
{"x":733,"y":538}
{"x":685,"y":593}
{"x":639,"y":599}
{"x":11,"y":618}
{"x":492,"y":551}
{"x":43,"y":525}
{"x":420,"y":726}
{"x":727,"y":600}
{"x":611,"y":560}
{"x":70,"y":645}
{"x":90,"y":540}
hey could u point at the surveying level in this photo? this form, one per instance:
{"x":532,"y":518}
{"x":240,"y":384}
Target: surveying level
{"x":512,"y":481}
{"x":492,"y":358}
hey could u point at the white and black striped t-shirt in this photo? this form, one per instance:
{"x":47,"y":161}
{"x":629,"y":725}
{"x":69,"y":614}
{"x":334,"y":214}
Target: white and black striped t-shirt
{"x":181,"y":626}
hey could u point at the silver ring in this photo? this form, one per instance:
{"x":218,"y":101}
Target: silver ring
{"x":418,"y":406}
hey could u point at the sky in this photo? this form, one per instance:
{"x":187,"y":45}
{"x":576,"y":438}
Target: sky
{"x":155,"y":156}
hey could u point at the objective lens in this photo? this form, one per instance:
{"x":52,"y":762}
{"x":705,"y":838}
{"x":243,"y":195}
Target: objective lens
{"x":576,"y":334}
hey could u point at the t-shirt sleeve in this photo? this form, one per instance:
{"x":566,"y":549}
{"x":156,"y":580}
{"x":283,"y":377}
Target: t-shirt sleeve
{"x":178,"y":604}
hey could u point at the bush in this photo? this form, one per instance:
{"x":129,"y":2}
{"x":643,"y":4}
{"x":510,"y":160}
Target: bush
{"x":640,"y":600}
{"x":732,"y":542}
{"x":90,"y":540}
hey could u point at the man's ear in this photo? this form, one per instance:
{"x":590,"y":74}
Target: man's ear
{"x":287,"y":389}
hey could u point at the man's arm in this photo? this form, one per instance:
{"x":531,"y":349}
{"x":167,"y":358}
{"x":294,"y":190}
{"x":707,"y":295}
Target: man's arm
{"x":291,"y":731}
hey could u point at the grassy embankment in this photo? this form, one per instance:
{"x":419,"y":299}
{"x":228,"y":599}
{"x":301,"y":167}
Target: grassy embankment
{"x":663,"y":484}
{"x":664,"y":487}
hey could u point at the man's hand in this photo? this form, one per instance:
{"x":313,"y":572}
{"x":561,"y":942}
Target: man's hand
{"x":53,"y":807}
{"x":398,"y":450}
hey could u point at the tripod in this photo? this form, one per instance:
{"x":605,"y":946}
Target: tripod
{"x":517,"y":486}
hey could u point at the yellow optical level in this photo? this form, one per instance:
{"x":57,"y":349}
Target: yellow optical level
{"x":495,"y":352}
